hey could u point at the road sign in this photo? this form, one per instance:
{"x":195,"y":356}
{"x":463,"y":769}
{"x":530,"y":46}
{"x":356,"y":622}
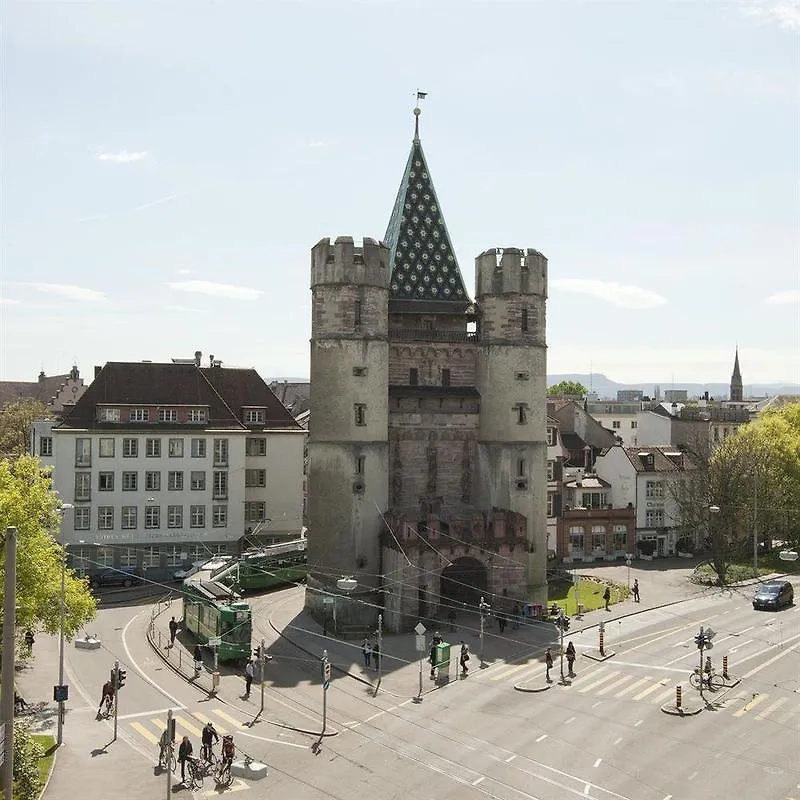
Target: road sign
{"x":627,"y":562}
{"x":326,"y":671}
{"x":327,"y":600}
{"x":420,"y":629}
{"x":421,"y":646}
{"x":709,"y":634}
{"x":214,"y":641}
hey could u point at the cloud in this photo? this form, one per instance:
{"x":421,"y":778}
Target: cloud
{"x":615,"y":293}
{"x":122,"y":156}
{"x":216,"y":289}
{"x":789,"y":296}
{"x":68,"y":290}
{"x":7,"y":301}
{"x":186,"y":309}
{"x":185,"y":271}
{"x":317,"y":144}
{"x":783,"y":13}
{"x":133,"y":210}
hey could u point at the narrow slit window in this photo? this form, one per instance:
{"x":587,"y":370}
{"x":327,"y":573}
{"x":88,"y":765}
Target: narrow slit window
{"x":357,"y":314}
{"x":360,"y":413}
{"x":445,"y":377}
{"x":413,"y":377}
{"x":524,"y":319}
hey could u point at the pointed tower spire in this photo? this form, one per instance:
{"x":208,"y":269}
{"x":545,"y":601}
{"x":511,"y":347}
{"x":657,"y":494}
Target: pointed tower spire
{"x":422,"y":262}
{"x":736,"y":380}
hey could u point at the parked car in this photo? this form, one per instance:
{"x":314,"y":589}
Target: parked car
{"x":114,"y":577}
{"x":773,"y":594}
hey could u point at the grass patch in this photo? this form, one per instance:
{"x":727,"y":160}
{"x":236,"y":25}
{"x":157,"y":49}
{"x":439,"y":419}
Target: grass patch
{"x":768,"y":563}
{"x":587,"y":591}
{"x":48,"y":744}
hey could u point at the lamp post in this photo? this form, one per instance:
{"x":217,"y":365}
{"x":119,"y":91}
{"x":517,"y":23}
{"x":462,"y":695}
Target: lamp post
{"x":484,"y":606}
{"x":62,"y":621}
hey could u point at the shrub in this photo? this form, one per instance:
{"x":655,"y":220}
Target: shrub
{"x":27,"y":753}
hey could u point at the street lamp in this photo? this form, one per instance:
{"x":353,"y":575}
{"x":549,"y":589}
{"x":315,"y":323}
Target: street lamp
{"x":60,"y":735}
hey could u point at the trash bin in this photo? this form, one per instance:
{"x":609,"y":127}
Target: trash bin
{"x":442,"y":662}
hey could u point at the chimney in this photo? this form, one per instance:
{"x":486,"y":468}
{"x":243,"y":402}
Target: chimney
{"x":211,"y":361}
{"x":41,"y":376}
{"x":97,"y":370}
{"x":198,"y":354}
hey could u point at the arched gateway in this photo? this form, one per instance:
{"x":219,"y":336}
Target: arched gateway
{"x":464,"y":581}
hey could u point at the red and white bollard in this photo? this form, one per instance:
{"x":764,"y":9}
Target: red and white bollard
{"x":678,"y":697}
{"x":601,"y":629}
{"x":725,"y":667}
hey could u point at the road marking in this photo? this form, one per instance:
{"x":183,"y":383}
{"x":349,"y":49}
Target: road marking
{"x":147,"y":713}
{"x":598,"y":703}
{"x":597,"y":763}
{"x":740,"y":646}
{"x":692,"y":776}
{"x":637,"y":724}
{"x":198,"y":715}
{"x":511,"y":758}
{"x":633,"y":686}
{"x":648,"y":691}
{"x":759,"y":698}
{"x":406,"y":702}
{"x":771,"y":660}
{"x":181,"y":722}
{"x":505,"y":673}
{"x":615,"y":685}
{"x":769,"y":709}
{"x":660,"y":698}
{"x":618,"y":741}
{"x":375,"y":716}
{"x":139,"y":728}
{"x":668,"y":797}
{"x":607,"y":677}
{"x":478,"y":780}
{"x":228,"y":718}
{"x":648,"y":666}
{"x":542,"y":737}
{"x":587,"y":788}
{"x":571,"y":719}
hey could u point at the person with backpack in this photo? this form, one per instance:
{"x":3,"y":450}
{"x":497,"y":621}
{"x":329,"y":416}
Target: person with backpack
{"x":208,"y":737}
{"x":636,"y":589}
{"x":548,"y":664}
{"x":464,"y":658}
{"x":607,"y":597}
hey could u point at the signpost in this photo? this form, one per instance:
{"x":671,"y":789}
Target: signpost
{"x":215,"y":642}
{"x":628,"y":557}
{"x":326,"y":682}
{"x":420,"y":630}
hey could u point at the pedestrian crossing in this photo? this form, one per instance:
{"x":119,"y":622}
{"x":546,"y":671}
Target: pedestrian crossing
{"x":187,"y":723}
{"x":610,"y":683}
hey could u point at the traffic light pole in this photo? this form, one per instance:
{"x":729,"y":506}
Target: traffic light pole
{"x":116,"y":698}
{"x":261,"y":672}
{"x":561,"y":642}
{"x":325,"y":672}
{"x":168,"y":765}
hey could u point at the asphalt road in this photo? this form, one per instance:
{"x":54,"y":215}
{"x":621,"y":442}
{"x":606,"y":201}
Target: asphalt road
{"x":603,"y":736}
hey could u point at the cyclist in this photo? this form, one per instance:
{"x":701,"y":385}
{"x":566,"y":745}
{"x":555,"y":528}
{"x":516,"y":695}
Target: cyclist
{"x":228,"y":752}
{"x":184,"y":755}
{"x":107,"y":697}
{"x":708,"y":670}
{"x":209,"y":736}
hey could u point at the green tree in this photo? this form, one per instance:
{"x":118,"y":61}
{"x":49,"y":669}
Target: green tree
{"x":28,"y":503}
{"x":15,"y":424}
{"x":572,"y":388}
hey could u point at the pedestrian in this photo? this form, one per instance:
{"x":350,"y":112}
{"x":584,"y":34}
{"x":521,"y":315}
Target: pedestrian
{"x":607,"y":597}
{"x":515,"y":613}
{"x":636,"y":589}
{"x":376,"y":655}
{"x":464,"y":658}
{"x":29,"y":640}
{"x":435,"y":642}
{"x":249,"y":671}
{"x":548,"y":663}
{"x":173,"y":631}
{"x":19,"y":702}
{"x":451,"y":618}
{"x":184,"y":752}
{"x":570,"y":652}
{"x":198,"y":660}
{"x":501,"y":622}
{"x":708,"y":669}
{"x":366,"y":649}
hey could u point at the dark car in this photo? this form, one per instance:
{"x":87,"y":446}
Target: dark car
{"x":114,"y":577}
{"x":773,"y":594}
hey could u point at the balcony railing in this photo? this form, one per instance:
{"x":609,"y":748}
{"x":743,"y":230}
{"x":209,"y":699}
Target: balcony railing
{"x":431,"y":335}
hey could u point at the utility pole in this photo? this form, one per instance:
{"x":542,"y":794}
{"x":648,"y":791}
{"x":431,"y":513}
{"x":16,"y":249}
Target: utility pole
{"x":483,"y":608}
{"x":264,"y":659}
{"x":326,"y":682}
{"x":7,"y":696}
{"x":168,"y":759}
{"x":116,"y":683}
{"x":62,"y":601}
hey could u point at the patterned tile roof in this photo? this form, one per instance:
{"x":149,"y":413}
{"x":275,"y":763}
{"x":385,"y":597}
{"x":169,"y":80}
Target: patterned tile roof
{"x":421,"y":258}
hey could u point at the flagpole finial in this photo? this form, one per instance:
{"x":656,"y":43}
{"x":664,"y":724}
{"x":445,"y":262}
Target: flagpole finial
{"x":417,"y":112}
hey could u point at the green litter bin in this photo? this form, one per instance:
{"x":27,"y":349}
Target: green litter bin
{"x":442,"y":656}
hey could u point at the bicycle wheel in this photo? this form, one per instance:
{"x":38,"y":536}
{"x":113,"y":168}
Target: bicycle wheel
{"x":694,"y":680}
{"x":224,"y":777}
{"x":195,"y":777}
{"x":717,"y":682}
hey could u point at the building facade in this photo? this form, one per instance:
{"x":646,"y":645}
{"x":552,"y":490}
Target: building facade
{"x":165,"y":464}
{"x":427,"y":430}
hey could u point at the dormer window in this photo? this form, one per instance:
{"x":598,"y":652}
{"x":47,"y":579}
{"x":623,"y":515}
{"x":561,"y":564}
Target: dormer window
{"x":139,"y":415}
{"x":197,"y":415}
{"x":109,"y":415}
{"x":255,"y":416}
{"x":167,"y":415}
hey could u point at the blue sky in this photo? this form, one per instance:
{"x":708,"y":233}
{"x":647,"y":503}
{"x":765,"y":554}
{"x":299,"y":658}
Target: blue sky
{"x":168,"y":167}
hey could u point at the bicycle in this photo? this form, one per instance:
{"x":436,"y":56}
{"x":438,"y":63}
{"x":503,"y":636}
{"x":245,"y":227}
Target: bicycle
{"x":107,"y":706}
{"x":196,"y":772}
{"x":711,"y":681}
{"x":223,"y":776}
{"x":166,"y":758}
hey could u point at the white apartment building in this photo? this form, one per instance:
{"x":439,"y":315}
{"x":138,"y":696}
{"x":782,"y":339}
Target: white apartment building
{"x":164,"y":464}
{"x":621,"y":418}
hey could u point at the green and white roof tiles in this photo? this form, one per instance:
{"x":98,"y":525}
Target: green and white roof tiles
{"x":421,"y":257}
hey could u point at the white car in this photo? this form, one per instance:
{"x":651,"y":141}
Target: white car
{"x":187,"y":572}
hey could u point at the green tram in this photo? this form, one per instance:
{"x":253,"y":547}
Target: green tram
{"x":210,"y":608}
{"x":269,"y":566}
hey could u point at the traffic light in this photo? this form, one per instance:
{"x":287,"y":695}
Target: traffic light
{"x":113,"y":676}
{"x":171,"y":729}
{"x":257,"y":653}
{"x":121,"y":675}
{"x":565,"y":624}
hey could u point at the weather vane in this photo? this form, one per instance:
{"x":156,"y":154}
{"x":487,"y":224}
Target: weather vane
{"x":417,"y":112}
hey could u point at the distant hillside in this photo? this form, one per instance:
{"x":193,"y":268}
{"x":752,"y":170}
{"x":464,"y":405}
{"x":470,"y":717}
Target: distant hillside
{"x":607,"y":389}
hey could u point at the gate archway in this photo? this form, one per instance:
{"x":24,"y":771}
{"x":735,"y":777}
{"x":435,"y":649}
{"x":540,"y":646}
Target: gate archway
{"x":463,"y":582}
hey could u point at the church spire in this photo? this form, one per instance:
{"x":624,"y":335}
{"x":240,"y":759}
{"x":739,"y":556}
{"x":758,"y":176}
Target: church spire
{"x":422,"y":261}
{"x":736,"y":380}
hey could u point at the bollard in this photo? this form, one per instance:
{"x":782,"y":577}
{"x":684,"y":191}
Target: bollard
{"x":725,"y":667}
{"x":677,"y":696}
{"x":602,"y":650}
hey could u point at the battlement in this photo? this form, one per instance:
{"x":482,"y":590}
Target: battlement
{"x":510,"y":270}
{"x":344,"y":263}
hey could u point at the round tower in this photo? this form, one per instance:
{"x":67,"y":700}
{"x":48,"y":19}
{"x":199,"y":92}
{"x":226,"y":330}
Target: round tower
{"x":348,"y":431}
{"x":511,"y":294}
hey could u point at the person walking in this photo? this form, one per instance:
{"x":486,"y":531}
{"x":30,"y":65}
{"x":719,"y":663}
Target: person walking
{"x":29,"y":640}
{"x":184,"y":752}
{"x":249,"y":671}
{"x":636,"y":589}
{"x":570,"y":653}
{"x":515,"y":617}
{"x":198,"y":659}
{"x":435,"y":642}
{"x":376,"y":655}
{"x":366,"y":650}
{"x":463,"y":659}
{"x":173,"y":631}
{"x":501,"y":622}
{"x":548,"y":664}
{"x":607,"y":597}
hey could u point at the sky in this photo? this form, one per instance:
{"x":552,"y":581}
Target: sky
{"x":167,"y":168}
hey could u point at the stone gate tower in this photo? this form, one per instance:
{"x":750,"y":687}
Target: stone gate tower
{"x":427,"y":477}
{"x":348,"y":450}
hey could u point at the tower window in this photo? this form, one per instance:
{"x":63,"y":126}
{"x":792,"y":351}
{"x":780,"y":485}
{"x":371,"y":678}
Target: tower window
{"x":357,"y":314}
{"x":359,"y":372}
{"x":360,"y":413}
{"x":360,"y":463}
{"x":445,"y":377}
{"x":413,"y":377}
{"x":520,"y":467}
{"x":524,"y":319}
{"x":522,"y":413}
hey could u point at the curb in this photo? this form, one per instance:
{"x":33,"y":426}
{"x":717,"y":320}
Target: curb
{"x":595,"y":655}
{"x":532,"y":689}
{"x":50,"y":774}
{"x":674,"y":711}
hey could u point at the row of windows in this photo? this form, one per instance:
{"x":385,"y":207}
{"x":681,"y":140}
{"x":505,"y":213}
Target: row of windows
{"x":107,"y":414}
{"x":597,"y":539}
{"x":152,"y":449}
{"x":152,"y":517}
{"x":83,"y":558}
{"x":360,"y":412}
